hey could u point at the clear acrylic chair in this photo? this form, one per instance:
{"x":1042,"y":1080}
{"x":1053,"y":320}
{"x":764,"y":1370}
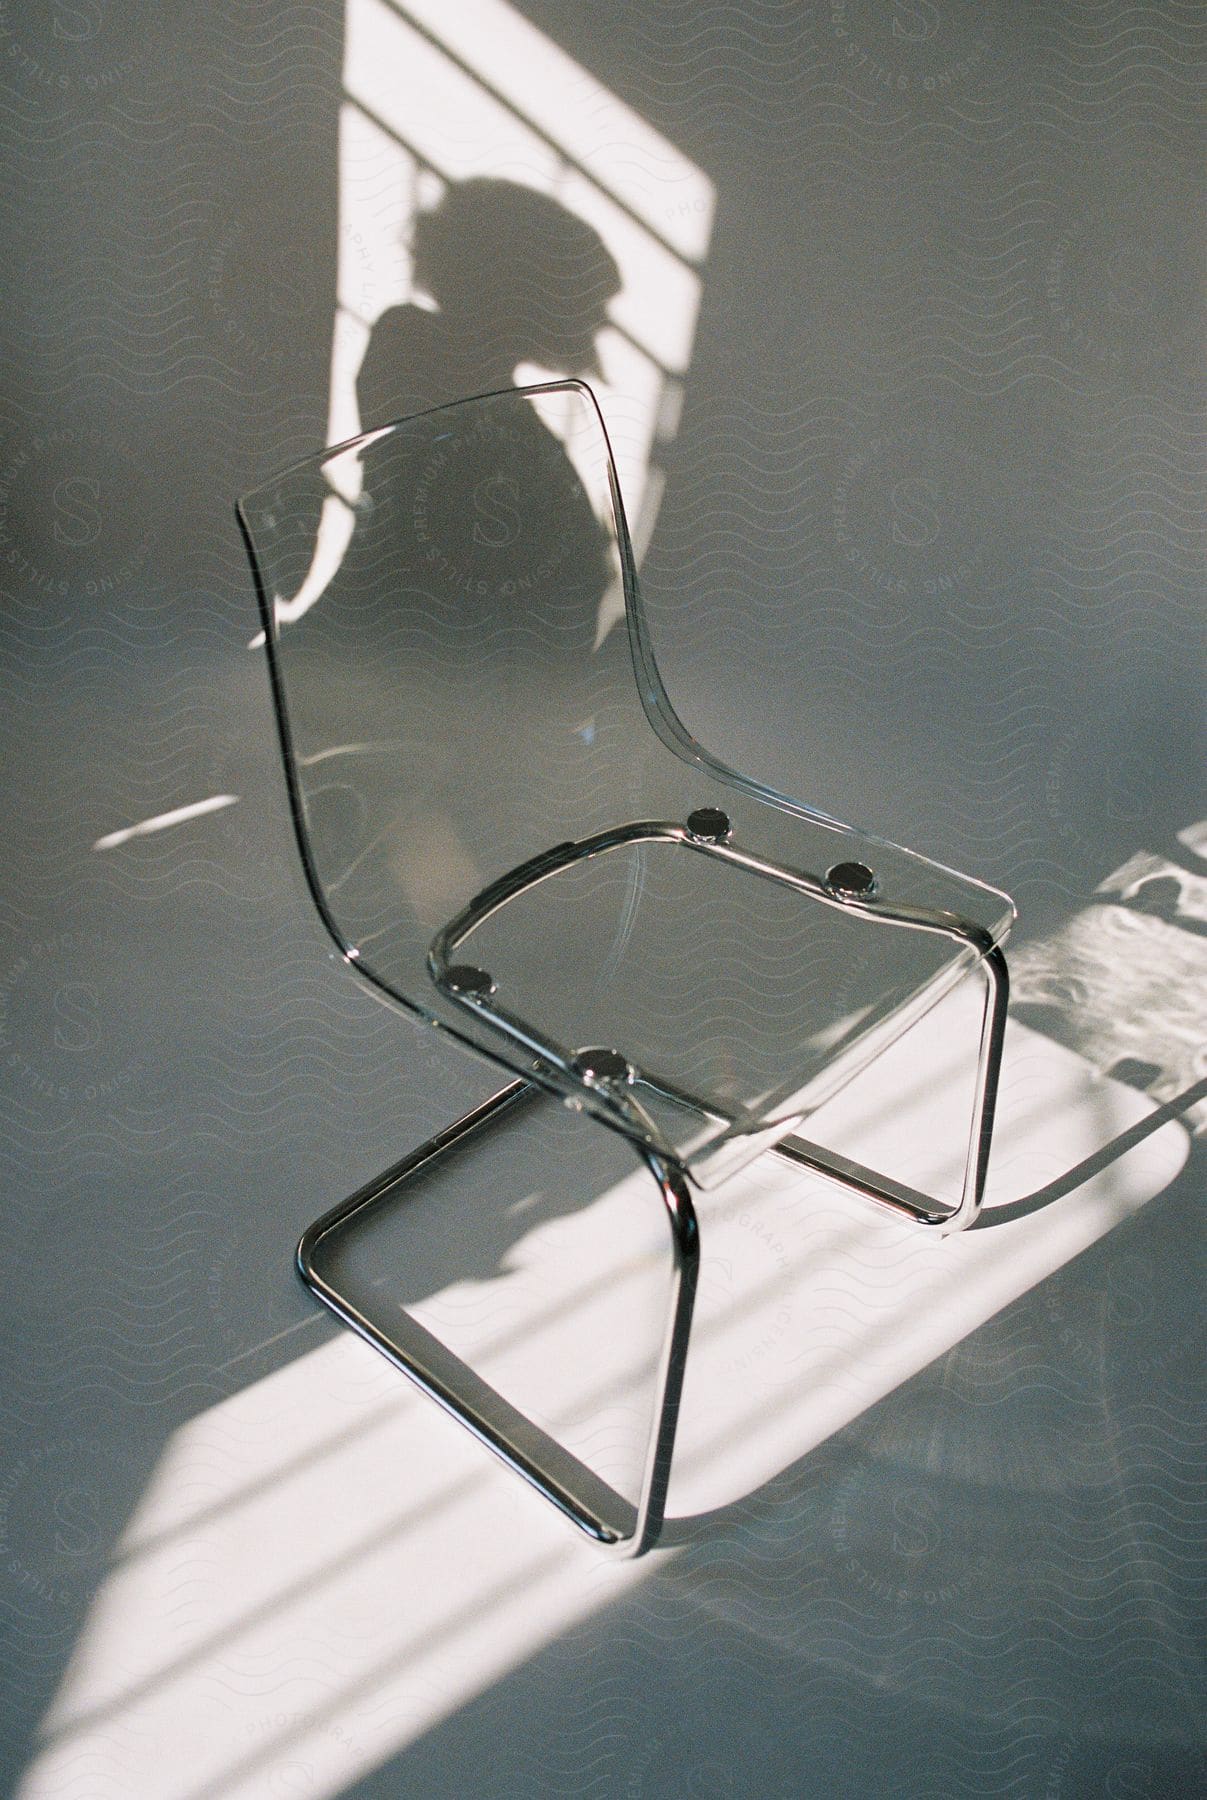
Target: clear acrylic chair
{"x":510,"y":834}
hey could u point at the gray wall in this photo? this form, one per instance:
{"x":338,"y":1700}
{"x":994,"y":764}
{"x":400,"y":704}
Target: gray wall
{"x":930,"y":555}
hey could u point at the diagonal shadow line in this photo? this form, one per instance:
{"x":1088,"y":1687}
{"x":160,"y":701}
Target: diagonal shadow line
{"x":310,"y":1580}
{"x":109,"y":1710}
{"x":1000,"y":1215}
{"x":219,"y":1787}
{"x":1097,"y":1161}
{"x":307,"y":1583}
{"x":480,"y":80}
{"x":284,"y":1472}
{"x":425,"y":163}
{"x":316,"y":1453}
{"x":681,"y":1531}
{"x":677,"y":1532}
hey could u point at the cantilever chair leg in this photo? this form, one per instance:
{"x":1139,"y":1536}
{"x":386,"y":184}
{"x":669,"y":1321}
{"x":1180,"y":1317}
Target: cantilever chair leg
{"x":582,"y":1496}
{"x":907,"y":1201}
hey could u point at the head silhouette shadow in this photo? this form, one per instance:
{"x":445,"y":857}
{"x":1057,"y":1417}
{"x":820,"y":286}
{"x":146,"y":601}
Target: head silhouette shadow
{"x":515,"y":277}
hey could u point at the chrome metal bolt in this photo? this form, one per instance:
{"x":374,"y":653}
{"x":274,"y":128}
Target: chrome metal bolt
{"x":709,"y":824}
{"x":603,"y":1067}
{"x":853,"y":878}
{"x":474,"y":984}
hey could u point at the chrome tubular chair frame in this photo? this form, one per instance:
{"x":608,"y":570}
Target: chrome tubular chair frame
{"x":561,"y":1478}
{"x":602,"y":1082}
{"x":569,"y":1485}
{"x":475,"y":990}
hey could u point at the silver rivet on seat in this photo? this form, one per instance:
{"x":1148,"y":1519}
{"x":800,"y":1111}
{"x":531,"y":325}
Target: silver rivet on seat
{"x":604,"y":1067}
{"x":709,"y":824}
{"x":474,"y":984}
{"x":853,"y":878}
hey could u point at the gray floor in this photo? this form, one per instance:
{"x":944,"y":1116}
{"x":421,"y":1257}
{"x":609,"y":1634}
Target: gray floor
{"x":930,"y":550}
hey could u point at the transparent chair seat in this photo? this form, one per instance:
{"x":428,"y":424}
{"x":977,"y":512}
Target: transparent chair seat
{"x":509,"y":832}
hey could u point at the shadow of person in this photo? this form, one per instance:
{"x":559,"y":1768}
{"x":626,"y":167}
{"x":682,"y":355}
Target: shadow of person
{"x":515,"y":277}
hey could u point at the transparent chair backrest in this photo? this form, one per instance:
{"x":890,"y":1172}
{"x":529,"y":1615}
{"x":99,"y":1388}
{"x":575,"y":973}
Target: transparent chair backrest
{"x":459,"y":669}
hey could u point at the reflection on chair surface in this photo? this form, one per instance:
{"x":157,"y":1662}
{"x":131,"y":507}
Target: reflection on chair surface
{"x":510,"y":833}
